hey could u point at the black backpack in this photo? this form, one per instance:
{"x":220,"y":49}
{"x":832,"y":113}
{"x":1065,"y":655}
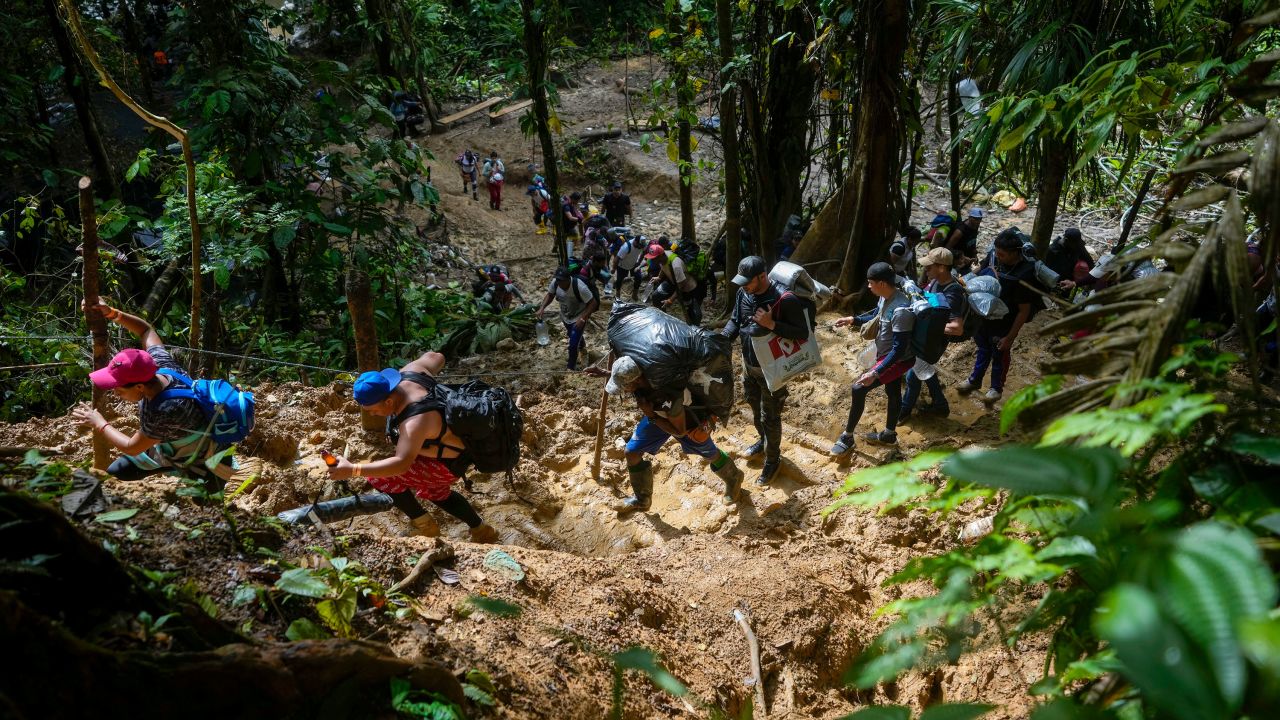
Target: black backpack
{"x":485,"y":417}
{"x":687,"y":250}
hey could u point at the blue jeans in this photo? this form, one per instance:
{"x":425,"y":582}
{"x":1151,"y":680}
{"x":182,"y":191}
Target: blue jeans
{"x":575,"y":340}
{"x":913,"y":390}
{"x":989,"y":354}
{"x":647,"y":438}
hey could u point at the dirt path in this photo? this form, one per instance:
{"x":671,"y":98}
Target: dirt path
{"x":667,"y":579}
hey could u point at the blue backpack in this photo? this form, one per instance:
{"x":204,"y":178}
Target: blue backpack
{"x":229,"y":409}
{"x":928,"y":338}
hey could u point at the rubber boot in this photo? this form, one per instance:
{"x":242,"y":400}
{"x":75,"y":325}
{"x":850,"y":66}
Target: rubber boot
{"x":732,"y":478}
{"x":542,"y":228}
{"x":641,"y":488}
{"x":425,"y":525}
{"x":484,"y":533}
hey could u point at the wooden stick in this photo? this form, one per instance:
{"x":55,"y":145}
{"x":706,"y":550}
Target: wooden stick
{"x":97,"y":323}
{"x":442,"y":551}
{"x":1055,"y":298}
{"x":755,"y":659}
{"x":604,"y":409}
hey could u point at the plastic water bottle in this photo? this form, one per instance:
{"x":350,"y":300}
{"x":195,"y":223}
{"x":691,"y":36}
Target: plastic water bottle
{"x":544,"y":338}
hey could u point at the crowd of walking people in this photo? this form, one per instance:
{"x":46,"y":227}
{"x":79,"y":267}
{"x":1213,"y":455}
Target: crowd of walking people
{"x":932,"y":289}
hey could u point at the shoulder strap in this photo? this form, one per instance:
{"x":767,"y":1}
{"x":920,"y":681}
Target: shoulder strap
{"x":576,"y":292}
{"x":180,"y":388}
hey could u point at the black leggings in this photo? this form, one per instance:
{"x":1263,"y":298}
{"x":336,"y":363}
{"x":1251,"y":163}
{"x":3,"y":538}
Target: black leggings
{"x":456,"y":505}
{"x":893,"y":390}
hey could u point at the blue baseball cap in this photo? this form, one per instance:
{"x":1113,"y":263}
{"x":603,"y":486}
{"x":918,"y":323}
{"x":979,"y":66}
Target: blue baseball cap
{"x":374,"y":386}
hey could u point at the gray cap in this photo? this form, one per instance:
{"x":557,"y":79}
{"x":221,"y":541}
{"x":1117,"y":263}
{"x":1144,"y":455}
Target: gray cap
{"x":751,"y":266}
{"x":625,"y":371}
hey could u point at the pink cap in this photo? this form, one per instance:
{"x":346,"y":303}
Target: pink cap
{"x":654,"y":251}
{"x":126,"y":368}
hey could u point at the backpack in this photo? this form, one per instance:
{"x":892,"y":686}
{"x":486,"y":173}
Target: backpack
{"x":488,"y":421}
{"x":941,"y":227}
{"x":688,"y":251}
{"x":229,"y":409}
{"x":585,"y":272}
{"x":928,"y":337}
{"x":485,"y":417}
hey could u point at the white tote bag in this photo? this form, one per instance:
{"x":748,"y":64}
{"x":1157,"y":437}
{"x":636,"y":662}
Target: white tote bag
{"x":782,"y":359}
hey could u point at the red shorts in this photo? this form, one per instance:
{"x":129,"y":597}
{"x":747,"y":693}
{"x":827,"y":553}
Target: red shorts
{"x":428,"y":478}
{"x":896,"y":370}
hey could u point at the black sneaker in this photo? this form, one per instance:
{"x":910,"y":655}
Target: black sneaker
{"x":755,"y":449}
{"x":882,"y":437}
{"x":767,"y":472}
{"x":843,"y":444}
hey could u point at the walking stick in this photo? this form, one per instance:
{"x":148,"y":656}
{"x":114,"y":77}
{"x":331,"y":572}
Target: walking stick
{"x":604,"y":408}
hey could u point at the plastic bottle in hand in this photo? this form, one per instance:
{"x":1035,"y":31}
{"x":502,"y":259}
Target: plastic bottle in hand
{"x":544,"y":338}
{"x":329,"y":458}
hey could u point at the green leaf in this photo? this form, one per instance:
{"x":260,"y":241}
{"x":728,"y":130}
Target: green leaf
{"x":881,"y":712}
{"x":245,"y":594}
{"x":476,"y":695}
{"x":1261,"y":642}
{"x":114,"y":516}
{"x":494,"y":606}
{"x":304,"y":629}
{"x":1025,"y":398}
{"x":956,"y":711}
{"x":1213,"y":579}
{"x":1068,"y":546}
{"x":644,"y":660}
{"x":1266,"y":449}
{"x":50,"y":178}
{"x":338,"y":612}
{"x":1156,"y":656}
{"x":301,"y":581}
{"x":888,"y":486}
{"x":1088,"y":473}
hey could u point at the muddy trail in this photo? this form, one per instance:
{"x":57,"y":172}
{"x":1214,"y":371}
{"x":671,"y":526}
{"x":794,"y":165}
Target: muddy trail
{"x":668,"y":579}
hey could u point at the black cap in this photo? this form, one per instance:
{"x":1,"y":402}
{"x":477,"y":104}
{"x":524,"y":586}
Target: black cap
{"x":751,"y":266}
{"x":617,"y":184}
{"x":562,"y":273}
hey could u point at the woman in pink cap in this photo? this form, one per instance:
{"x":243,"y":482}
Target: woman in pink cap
{"x":172,"y":433}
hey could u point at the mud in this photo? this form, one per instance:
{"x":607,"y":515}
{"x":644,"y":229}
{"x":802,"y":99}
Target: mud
{"x":667,"y":579}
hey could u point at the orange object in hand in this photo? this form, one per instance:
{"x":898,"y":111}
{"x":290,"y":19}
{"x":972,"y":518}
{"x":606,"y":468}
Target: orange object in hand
{"x":329,"y":458}
{"x":700,"y":434}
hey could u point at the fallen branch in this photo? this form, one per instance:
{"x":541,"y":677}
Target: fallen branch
{"x":442,"y":551}
{"x":755,"y":659}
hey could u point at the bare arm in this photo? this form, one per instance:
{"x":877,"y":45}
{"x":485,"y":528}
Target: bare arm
{"x":430,"y":363}
{"x":412,"y":433}
{"x":129,"y":445}
{"x":134,"y":324}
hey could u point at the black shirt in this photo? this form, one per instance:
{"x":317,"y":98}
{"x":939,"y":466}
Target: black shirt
{"x":616,"y":207}
{"x":1012,"y":292}
{"x":788,"y":315}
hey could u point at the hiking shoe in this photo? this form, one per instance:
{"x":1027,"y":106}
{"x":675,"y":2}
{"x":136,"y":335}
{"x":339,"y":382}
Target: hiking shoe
{"x":484,"y":533}
{"x":755,"y":449}
{"x":991,"y":396}
{"x":966,"y":387}
{"x":937,"y":409}
{"x":635,"y":503}
{"x":882,"y":437}
{"x":843,"y":444}
{"x":425,"y":525}
{"x":767,"y":472}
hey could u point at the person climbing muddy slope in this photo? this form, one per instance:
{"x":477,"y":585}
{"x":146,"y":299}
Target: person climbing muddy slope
{"x":429,"y":457}
{"x":666,"y":415}
{"x":173,"y":434}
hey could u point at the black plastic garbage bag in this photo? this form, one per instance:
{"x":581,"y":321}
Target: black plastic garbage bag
{"x":675,"y":355}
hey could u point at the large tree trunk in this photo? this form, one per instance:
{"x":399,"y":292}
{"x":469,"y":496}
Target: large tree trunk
{"x":133,"y":39}
{"x":1053,"y":175}
{"x":857,"y":225}
{"x":729,"y":143}
{"x":684,"y":143}
{"x":777,"y":102}
{"x":77,"y":85}
{"x":380,"y":38}
{"x":360,"y":305}
{"x":953,"y":129}
{"x":535,"y":47}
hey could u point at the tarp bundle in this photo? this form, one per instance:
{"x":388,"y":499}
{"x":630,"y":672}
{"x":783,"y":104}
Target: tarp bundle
{"x":675,"y":355}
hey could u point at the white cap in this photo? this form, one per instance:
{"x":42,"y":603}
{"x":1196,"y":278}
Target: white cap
{"x":625,"y":371}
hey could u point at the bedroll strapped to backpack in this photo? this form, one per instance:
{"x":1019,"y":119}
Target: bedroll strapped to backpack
{"x":940,"y":227}
{"x":796,"y":280}
{"x":675,"y":355}
{"x":228,"y":408}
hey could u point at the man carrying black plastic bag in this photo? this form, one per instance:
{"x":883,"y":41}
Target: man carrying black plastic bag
{"x":682,"y":380}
